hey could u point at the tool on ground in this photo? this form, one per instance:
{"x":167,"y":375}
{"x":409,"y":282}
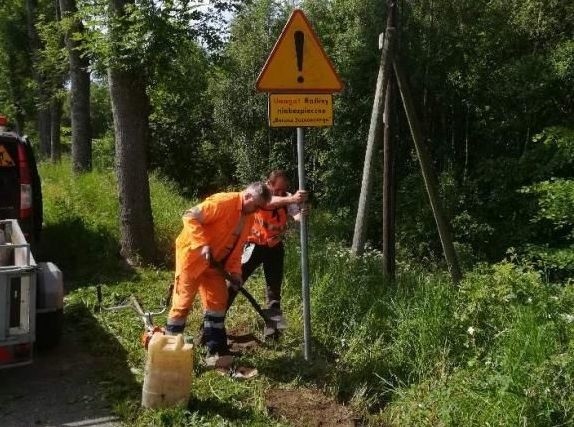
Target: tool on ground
{"x":236,"y":372}
{"x":268,"y":315}
{"x":146,"y":317}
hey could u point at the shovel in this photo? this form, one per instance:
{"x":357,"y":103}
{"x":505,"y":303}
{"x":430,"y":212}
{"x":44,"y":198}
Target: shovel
{"x":270,"y":317}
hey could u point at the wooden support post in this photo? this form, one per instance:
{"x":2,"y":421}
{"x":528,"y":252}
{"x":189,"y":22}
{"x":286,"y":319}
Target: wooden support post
{"x":389,"y":187}
{"x":375,"y":130}
{"x":429,"y":177}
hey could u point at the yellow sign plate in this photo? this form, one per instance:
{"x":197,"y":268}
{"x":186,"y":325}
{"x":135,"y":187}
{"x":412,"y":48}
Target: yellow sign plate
{"x":298,"y":63}
{"x":297,"y":110}
{"x":5,"y":159}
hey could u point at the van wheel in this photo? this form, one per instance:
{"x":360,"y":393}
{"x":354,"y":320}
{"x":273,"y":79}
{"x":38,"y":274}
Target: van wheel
{"x":49,"y":328}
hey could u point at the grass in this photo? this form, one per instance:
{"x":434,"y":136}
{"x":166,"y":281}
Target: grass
{"x":498,"y":350}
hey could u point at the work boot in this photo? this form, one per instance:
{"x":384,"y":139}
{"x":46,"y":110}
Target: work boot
{"x":274,"y":328}
{"x":216,"y":361}
{"x":199,"y":338}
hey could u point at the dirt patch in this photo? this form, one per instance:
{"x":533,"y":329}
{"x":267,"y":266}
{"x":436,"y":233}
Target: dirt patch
{"x":305,"y":407}
{"x":240,"y":341}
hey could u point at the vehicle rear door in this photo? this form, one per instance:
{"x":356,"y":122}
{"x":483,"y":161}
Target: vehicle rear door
{"x":9,"y":177}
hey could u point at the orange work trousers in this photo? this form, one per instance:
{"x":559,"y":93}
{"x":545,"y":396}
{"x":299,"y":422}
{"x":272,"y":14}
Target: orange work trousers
{"x":212,"y":291}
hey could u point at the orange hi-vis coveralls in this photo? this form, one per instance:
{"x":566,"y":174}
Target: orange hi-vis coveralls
{"x":265,"y":246}
{"x":219,"y":223}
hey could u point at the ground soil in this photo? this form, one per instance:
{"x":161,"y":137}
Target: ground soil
{"x":308,"y":408}
{"x":58,"y":389}
{"x":241,"y":341}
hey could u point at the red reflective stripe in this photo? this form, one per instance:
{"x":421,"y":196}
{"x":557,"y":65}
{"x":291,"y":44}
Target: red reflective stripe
{"x":25,"y":183}
{"x":5,"y":355}
{"x":25,"y":177}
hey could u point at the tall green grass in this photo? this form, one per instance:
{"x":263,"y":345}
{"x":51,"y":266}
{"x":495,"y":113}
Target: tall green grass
{"x":497,"y":350}
{"x":81,"y":219}
{"x":494,"y":351}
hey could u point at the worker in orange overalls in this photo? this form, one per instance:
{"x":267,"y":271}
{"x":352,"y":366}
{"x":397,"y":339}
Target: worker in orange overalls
{"x":214,"y":230}
{"x":265,"y":244}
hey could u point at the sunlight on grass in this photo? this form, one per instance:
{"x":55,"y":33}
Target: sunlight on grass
{"x":495,"y":351}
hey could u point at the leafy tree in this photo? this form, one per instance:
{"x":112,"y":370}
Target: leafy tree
{"x":79,"y":87}
{"x":240,"y":113}
{"x":16,"y":101}
{"x":33,"y":9}
{"x":130,"y":107}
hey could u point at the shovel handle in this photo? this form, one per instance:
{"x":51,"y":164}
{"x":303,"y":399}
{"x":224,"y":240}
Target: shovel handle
{"x":254,"y":303}
{"x":219,"y":268}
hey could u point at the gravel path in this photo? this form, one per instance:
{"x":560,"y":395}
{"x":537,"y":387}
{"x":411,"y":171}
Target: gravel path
{"x":58,"y":389}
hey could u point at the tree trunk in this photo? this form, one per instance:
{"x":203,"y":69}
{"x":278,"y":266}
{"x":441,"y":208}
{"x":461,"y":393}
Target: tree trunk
{"x":130,"y":108}
{"x":79,"y":93}
{"x":130,"y":111}
{"x":44,"y":127}
{"x":429,"y":176}
{"x":375,"y":129}
{"x":56,"y":117}
{"x":389,"y":187}
{"x":43,"y":101}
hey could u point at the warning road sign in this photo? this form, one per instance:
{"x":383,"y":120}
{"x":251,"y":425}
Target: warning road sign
{"x":5,"y":159}
{"x":298,"y":63}
{"x":296,"y":110}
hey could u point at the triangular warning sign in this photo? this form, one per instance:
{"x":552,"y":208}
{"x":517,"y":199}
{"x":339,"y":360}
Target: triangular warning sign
{"x":5,"y":159}
{"x":298,"y":63}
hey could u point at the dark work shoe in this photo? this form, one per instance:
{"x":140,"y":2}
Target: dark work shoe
{"x":224,"y":361}
{"x":271,"y":332}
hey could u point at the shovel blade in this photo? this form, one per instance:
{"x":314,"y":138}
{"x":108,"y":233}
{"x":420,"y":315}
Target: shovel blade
{"x":276,"y":320}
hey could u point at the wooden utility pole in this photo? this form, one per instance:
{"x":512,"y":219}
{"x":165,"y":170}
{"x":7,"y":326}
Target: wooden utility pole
{"x":375,"y":130}
{"x":389,"y":187}
{"x":429,"y":176}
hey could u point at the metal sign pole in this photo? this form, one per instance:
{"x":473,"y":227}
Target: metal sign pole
{"x":304,"y":254}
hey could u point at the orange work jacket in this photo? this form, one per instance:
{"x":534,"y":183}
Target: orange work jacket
{"x":269,"y":226}
{"x":218,"y":222}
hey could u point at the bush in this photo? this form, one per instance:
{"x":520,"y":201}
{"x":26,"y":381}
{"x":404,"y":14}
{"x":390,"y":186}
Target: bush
{"x":497,"y":350}
{"x":81,"y":223}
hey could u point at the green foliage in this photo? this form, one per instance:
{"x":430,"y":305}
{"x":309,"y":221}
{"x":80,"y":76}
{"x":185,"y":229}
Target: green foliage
{"x":556,"y":261}
{"x":16,"y":97}
{"x":100,"y":111}
{"x":53,"y":58}
{"x":489,"y":298}
{"x":239,"y":112}
{"x":495,"y":351}
{"x":84,"y":206}
{"x":555,"y":202}
{"x":184,"y":146}
{"x":493,"y":82}
{"x":551,"y":245}
{"x":148,"y":33}
{"x":103,"y":152}
{"x":513,"y":362}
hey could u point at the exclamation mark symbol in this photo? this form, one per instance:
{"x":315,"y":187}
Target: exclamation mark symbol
{"x":299,"y":41}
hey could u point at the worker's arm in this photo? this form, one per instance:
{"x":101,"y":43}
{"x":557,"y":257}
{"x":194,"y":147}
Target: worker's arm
{"x":194,"y":221}
{"x":279,"y":201}
{"x":233,"y":263}
{"x":298,"y":212}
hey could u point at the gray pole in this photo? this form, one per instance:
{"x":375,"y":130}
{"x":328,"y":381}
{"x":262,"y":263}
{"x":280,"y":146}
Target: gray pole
{"x":304,"y":255}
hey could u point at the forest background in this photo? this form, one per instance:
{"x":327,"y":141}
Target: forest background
{"x":493,"y":83}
